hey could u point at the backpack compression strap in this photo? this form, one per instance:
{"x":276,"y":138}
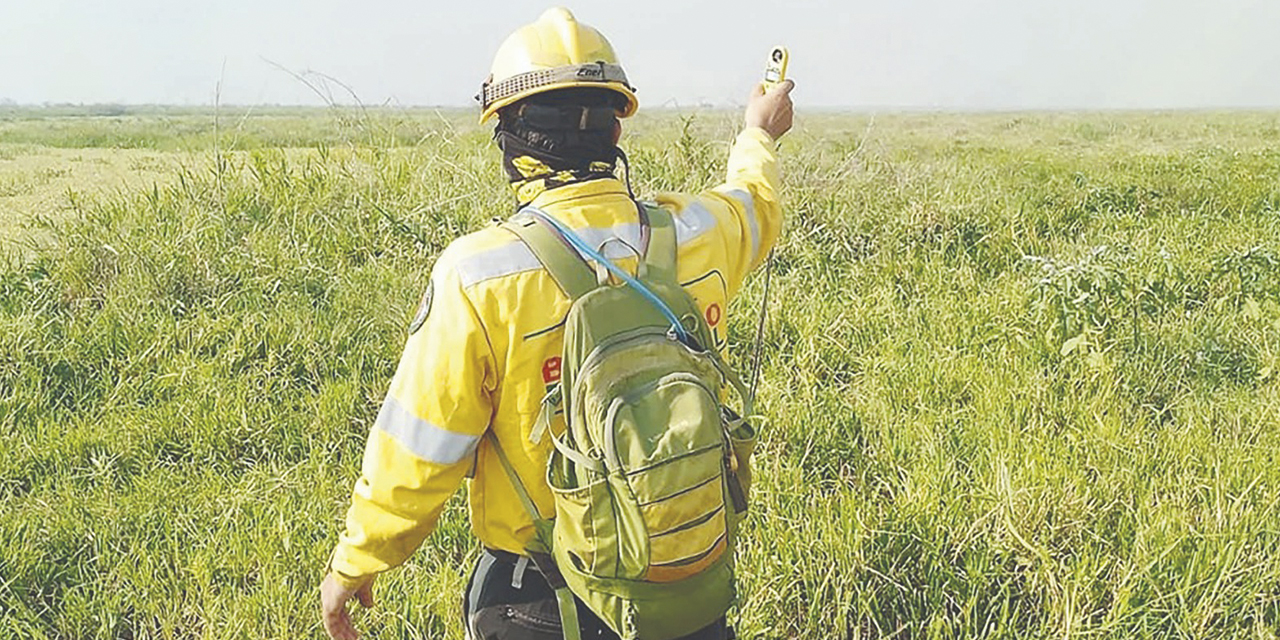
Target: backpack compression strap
{"x":540,"y":548}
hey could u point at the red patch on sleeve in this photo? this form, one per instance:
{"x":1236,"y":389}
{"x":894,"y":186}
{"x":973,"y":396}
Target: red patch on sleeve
{"x":551,"y":370}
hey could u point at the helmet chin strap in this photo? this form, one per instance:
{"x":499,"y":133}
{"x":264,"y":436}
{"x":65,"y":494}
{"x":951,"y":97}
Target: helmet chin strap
{"x":626,"y":171}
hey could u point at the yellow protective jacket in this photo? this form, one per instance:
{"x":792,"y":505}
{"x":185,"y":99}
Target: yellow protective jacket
{"x":490,"y":346}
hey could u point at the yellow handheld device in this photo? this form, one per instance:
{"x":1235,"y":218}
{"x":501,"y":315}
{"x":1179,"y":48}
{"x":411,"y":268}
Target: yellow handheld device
{"x":775,"y":71}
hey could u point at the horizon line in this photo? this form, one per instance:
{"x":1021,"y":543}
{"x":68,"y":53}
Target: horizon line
{"x":665,"y":107}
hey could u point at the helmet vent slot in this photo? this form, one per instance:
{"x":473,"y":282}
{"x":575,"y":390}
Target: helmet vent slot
{"x":601,"y":72}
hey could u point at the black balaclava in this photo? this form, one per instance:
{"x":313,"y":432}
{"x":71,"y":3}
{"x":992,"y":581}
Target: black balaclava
{"x":557,"y":138}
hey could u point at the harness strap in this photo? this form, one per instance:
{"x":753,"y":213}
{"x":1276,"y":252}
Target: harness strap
{"x":546,"y":412}
{"x":566,"y":267}
{"x":586,"y":250}
{"x":525,"y":498}
{"x":568,"y":614}
{"x":541,"y":557}
{"x":564,"y":597}
{"x":660,"y":256}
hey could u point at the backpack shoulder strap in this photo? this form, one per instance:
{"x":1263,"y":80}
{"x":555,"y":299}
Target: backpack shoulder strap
{"x":540,"y":548}
{"x":566,"y":267}
{"x":660,"y":255}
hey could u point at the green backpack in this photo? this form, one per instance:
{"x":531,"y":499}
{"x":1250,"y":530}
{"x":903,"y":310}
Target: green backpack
{"x":650,"y":478}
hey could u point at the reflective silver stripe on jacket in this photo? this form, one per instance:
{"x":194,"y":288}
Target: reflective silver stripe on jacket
{"x":753,"y":224}
{"x":515,"y":257}
{"x":693,"y":221}
{"x":505,"y":260}
{"x":425,"y":440}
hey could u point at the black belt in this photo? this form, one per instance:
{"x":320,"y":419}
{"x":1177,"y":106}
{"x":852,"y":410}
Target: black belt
{"x":505,"y":557}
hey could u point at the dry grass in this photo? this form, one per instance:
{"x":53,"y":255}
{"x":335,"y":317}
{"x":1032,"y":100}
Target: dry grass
{"x":38,"y":184}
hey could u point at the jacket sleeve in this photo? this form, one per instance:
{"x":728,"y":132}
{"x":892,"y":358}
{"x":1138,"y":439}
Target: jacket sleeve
{"x":422,"y":444}
{"x":748,"y":209}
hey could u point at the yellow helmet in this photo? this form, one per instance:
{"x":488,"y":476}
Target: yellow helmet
{"x":556,"y":52}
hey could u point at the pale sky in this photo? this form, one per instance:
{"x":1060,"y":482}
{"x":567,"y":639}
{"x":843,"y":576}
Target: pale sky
{"x":933,"y":54}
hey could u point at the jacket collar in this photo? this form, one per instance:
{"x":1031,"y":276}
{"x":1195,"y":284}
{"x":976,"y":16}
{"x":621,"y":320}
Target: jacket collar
{"x":587,"y":189}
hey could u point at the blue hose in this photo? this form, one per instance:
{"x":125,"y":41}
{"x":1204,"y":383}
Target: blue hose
{"x":586,"y":250}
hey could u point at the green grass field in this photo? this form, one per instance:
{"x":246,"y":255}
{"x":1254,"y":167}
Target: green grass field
{"x":1021,"y":369}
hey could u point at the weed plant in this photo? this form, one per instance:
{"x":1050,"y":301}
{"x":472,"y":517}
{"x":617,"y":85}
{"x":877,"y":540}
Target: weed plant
{"x":1020,"y":369}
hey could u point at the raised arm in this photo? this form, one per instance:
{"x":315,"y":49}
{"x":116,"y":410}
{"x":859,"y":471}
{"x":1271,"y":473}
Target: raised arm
{"x":752,"y":182}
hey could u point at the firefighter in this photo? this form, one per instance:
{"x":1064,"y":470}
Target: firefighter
{"x":485,"y":343}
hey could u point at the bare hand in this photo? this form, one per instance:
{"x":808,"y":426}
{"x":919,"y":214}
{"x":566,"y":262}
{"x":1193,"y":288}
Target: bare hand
{"x":771,"y":110}
{"x":333,"y":607}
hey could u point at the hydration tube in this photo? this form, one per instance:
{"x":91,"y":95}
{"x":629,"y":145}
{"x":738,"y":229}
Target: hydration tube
{"x":586,"y":250}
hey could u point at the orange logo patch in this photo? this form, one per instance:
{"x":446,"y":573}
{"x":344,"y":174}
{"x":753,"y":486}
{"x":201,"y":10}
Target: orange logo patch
{"x":714,"y":315}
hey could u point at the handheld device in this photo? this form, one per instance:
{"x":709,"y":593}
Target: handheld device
{"x":775,"y":70}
